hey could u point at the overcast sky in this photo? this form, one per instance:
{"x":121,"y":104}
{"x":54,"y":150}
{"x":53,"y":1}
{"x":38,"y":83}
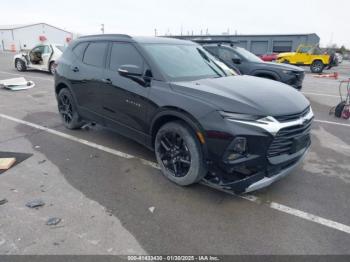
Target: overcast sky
{"x":328,"y":18}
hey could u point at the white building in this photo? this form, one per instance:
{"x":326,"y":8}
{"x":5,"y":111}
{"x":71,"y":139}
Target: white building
{"x":16,"y":37}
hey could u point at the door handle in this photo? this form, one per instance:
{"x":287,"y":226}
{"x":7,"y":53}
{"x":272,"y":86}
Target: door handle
{"x":107,"y":81}
{"x":75,"y":69}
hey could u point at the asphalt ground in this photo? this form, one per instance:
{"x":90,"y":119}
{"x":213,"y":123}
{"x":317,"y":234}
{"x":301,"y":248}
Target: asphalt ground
{"x":113,"y":200}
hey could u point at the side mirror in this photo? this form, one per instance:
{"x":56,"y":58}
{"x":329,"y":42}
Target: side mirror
{"x":135,"y":73}
{"x":236,"y":60}
{"x":130,"y":70}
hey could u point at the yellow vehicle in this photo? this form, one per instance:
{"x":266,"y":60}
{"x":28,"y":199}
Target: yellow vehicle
{"x":306,"y":55}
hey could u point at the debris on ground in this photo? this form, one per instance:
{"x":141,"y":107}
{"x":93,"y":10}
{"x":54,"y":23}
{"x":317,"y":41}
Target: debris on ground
{"x":6,"y":163}
{"x":35,"y":203}
{"x":41,"y":161}
{"x":53,"y":221}
{"x":3,"y":201}
{"x":86,"y":127}
{"x":151,"y":209}
{"x":15,"y":84}
{"x":109,"y":212}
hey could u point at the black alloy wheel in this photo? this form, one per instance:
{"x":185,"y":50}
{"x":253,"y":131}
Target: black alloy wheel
{"x":179,"y":153}
{"x":65,"y":108}
{"x":68,"y":110}
{"x":174,"y":154}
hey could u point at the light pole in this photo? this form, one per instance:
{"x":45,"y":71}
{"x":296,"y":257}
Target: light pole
{"x":103,"y":28}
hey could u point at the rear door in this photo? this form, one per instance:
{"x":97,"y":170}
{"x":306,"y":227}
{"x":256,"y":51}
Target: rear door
{"x":88,"y":76}
{"x":124,"y":100}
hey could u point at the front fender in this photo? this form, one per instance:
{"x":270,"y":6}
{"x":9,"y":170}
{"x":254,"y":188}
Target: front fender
{"x":267,"y":72}
{"x":20,"y":56}
{"x":178,"y":113}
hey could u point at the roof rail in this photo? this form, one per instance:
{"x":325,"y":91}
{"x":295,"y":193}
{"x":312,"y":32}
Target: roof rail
{"x":107,"y":35}
{"x":219,"y":42}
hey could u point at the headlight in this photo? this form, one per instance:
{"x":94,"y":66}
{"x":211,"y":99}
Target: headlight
{"x":237,"y":116}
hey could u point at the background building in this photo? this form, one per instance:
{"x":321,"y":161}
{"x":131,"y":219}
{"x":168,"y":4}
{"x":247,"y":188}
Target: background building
{"x":16,"y":37}
{"x":262,"y":44}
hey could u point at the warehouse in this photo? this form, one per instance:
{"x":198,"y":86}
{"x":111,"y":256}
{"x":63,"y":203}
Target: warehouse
{"x":16,"y":37}
{"x":262,"y":44}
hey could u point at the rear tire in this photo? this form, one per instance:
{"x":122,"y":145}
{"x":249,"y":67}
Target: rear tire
{"x":20,"y":65}
{"x":179,"y":154}
{"x":68,"y":110}
{"x":317,"y":67}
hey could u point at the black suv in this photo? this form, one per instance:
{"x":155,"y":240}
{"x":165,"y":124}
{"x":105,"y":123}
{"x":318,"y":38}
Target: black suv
{"x":238,"y":133}
{"x":247,"y":63}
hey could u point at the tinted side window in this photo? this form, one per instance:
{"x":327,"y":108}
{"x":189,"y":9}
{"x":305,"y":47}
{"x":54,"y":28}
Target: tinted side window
{"x":79,"y":49}
{"x":124,"y":54}
{"x":95,"y":54}
{"x":227,"y":55}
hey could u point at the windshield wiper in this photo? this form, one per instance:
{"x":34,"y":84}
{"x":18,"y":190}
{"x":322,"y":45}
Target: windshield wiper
{"x":207,"y":60}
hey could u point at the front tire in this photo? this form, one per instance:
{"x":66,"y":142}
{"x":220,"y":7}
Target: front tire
{"x":68,"y":110}
{"x":317,"y":67}
{"x":179,"y":154}
{"x":20,"y":65}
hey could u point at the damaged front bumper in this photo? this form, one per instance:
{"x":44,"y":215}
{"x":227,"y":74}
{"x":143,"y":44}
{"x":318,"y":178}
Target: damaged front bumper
{"x":256,"y":181}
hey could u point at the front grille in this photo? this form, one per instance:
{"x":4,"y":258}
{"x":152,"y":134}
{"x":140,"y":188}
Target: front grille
{"x":286,"y":118}
{"x":290,"y":139}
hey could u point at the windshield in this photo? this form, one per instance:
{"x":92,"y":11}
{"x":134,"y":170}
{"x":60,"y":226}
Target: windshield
{"x":185,"y":62}
{"x":304,"y":49}
{"x":60,"y":47}
{"x":248,"y":55}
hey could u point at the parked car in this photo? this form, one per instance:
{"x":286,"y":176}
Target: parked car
{"x":249,"y":64}
{"x":307,"y":55}
{"x":41,"y":57}
{"x":269,"y":57}
{"x":237,"y":133}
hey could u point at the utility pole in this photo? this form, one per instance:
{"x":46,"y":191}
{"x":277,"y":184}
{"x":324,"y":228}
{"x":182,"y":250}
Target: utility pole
{"x":103,"y":28}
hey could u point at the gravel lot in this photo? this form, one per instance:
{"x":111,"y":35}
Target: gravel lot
{"x":113,"y":203}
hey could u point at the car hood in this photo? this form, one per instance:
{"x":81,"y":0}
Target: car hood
{"x":246,"y":95}
{"x":286,"y":54}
